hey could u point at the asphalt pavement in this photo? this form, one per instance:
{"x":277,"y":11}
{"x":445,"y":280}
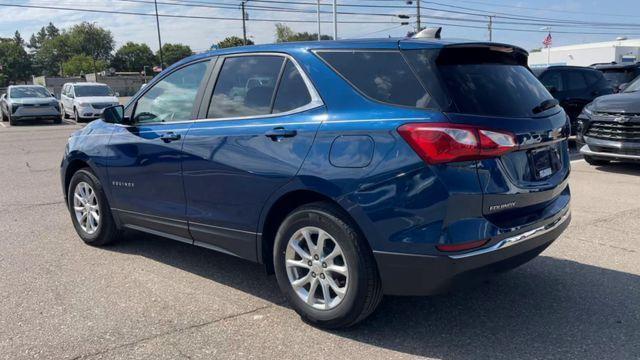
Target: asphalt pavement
{"x":150,"y":298}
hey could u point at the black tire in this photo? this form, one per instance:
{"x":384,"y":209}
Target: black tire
{"x":364,"y":290}
{"x":12,"y":121}
{"x":76,"y":116}
{"x":64,"y":113}
{"x":595,"y":162}
{"x":106,"y":232}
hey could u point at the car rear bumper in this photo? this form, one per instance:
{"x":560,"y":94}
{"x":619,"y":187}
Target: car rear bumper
{"x":419,"y":275}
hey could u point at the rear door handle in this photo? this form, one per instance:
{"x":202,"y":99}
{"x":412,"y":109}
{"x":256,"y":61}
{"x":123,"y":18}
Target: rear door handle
{"x":278,"y":133}
{"x":170,"y":136}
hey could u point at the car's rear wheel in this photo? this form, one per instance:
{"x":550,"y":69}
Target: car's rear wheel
{"x":89,"y":210}
{"x":325,"y":268}
{"x":76,"y":116}
{"x":64,"y":113}
{"x":595,"y":162}
{"x":12,"y":121}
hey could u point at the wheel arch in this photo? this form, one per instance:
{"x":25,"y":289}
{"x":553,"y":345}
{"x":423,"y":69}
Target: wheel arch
{"x":73,"y":166}
{"x":283,"y":205}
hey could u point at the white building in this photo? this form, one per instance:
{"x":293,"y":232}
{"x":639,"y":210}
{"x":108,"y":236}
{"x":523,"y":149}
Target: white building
{"x":621,"y":51}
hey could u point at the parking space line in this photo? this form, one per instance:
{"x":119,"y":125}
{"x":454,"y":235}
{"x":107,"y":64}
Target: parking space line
{"x":3,"y":125}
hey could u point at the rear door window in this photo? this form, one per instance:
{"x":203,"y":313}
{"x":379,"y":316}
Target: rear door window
{"x":245,"y":86}
{"x":575,"y":81}
{"x":381,"y":75}
{"x":292,"y":91}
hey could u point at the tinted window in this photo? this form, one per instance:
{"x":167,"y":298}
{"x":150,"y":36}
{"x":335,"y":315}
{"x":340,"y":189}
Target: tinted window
{"x":172,"y":98}
{"x":595,"y":79}
{"x":93,"y":90}
{"x":29,"y":92}
{"x":634,"y":86}
{"x":552,"y":80}
{"x":479,"y":81}
{"x":575,"y":81}
{"x":292,"y":91}
{"x":381,"y":75}
{"x":618,"y":76}
{"x":245,"y":86}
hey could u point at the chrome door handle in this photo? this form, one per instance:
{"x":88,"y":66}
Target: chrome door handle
{"x":170,"y":136}
{"x":278,"y":133}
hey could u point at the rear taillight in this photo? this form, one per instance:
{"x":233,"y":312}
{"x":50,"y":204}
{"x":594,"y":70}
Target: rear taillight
{"x":438,"y":143}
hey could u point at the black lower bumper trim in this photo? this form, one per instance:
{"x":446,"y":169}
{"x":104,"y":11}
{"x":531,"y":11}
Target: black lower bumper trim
{"x":420,"y":275}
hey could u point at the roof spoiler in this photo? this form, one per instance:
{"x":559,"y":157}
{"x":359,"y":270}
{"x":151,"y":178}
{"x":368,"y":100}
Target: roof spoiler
{"x":428,"y":33}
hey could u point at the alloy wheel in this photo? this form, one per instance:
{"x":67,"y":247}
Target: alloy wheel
{"x":86,"y":207}
{"x":317,"y":268}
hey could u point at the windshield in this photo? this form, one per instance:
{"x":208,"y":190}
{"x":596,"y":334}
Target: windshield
{"x":92,"y":90}
{"x":479,"y":82}
{"x":618,"y":77}
{"x":634,"y":86}
{"x":29,"y":92}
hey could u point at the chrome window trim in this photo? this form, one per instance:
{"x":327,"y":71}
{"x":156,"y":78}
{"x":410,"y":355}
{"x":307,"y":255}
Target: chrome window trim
{"x":316,"y":100}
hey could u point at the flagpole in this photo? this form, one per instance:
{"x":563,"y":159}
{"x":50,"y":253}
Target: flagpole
{"x":548,"y":43}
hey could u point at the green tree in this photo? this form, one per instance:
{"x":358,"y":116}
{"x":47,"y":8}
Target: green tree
{"x":91,"y":40}
{"x":286,"y":34}
{"x":83,"y":64}
{"x":232,"y":41}
{"x":45,"y":33}
{"x":48,"y":59}
{"x":172,"y":53}
{"x":18,"y":38}
{"x":15,"y":62}
{"x":133,"y":57}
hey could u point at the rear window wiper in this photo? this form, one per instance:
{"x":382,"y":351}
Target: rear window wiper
{"x":545,"y":105}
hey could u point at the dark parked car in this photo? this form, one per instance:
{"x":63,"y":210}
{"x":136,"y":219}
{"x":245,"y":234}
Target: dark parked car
{"x":610,"y":127}
{"x":351,"y":169}
{"x":619,"y":75}
{"x":574,"y":87}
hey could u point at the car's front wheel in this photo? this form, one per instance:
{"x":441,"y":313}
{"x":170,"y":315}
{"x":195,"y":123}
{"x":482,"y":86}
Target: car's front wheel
{"x":325,"y":268}
{"x":89,"y":210}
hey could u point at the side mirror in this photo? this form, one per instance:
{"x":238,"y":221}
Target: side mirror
{"x":622,"y":87}
{"x":114,"y":115}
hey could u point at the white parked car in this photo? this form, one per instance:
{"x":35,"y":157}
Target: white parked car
{"x":86,"y":101}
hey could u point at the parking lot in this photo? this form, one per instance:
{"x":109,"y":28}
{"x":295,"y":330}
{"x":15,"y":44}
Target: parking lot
{"x":147,"y":297}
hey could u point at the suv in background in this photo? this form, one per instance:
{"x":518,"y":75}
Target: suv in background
{"x":619,"y":75}
{"x":86,"y":101}
{"x":610,"y":127}
{"x":574,"y":87}
{"x":351,"y":168}
{"x":29,"y":102}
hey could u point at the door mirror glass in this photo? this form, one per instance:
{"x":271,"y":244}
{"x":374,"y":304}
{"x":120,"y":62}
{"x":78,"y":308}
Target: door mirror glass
{"x":114,"y":115}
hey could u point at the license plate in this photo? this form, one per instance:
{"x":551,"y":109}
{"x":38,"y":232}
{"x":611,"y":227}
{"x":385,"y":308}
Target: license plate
{"x":541,"y":163}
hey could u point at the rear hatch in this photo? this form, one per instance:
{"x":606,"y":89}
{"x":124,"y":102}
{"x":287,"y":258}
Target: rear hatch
{"x":489,"y":86}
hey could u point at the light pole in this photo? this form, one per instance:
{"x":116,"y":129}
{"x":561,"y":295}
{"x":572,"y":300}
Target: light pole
{"x":418,"y":21}
{"x":155,"y":2}
{"x":490,"y":27}
{"x":244,"y":24}
{"x":318,"y":11}
{"x":335,"y":19}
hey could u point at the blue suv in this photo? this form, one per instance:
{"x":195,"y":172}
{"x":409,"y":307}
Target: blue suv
{"x":351,"y":169}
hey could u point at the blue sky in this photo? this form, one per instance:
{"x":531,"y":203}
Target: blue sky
{"x":201,"y":33}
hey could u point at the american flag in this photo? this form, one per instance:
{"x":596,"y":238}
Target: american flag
{"x":548,"y":41}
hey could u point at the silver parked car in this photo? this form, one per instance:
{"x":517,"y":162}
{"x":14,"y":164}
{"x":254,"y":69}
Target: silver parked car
{"x":29,"y":102}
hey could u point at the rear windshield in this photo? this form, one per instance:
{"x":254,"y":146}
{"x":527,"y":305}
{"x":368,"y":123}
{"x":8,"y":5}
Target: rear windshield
{"x":619,"y":76}
{"x":92,"y":90}
{"x":479,"y":81}
{"x":29,"y":92}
